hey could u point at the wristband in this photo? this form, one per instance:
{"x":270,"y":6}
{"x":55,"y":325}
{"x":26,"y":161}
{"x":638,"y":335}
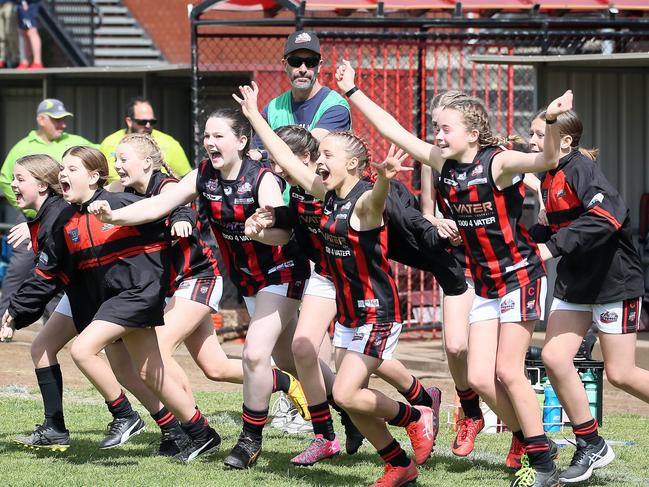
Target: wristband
{"x":550,"y":122}
{"x":352,"y":91}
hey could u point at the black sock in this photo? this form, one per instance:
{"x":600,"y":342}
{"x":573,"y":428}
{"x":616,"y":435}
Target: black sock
{"x":416,"y":395}
{"x":538,"y":451}
{"x":281,"y":381}
{"x":519,"y":435}
{"x":470,"y":402}
{"x":321,"y":420}
{"x":587,"y":431}
{"x":195,"y":426}
{"x":165,"y":419}
{"x":120,"y":407}
{"x":405,"y":416}
{"x":254,"y":422}
{"x":50,"y":382}
{"x":394,"y":455}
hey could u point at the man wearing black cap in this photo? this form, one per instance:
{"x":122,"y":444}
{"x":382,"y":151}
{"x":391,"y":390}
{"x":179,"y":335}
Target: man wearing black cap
{"x":308,"y":103}
{"x":49,"y":138}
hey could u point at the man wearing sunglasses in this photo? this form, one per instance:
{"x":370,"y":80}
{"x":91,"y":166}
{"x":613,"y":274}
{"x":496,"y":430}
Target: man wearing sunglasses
{"x":140,"y":118}
{"x":307,"y":103}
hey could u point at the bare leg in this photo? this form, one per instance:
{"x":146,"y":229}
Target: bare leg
{"x":456,"y":335}
{"x":621,"y":370}
{"x":51,"y":339}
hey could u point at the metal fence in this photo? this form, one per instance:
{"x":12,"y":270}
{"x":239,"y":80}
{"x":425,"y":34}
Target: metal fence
{"x":402,"y":63}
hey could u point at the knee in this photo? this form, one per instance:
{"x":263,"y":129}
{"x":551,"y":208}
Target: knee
{"x":456,"y":349}
{"x":254,"y":359}
{"x":480,"y":381}
{"x":342,"y":396}
{"x":39,"y":350}
{"x":617,"y":376}
{"x":555,"y":361}
{"x":78,"y":353}
{"x":304,"y":350}
{"x":507,"y":375}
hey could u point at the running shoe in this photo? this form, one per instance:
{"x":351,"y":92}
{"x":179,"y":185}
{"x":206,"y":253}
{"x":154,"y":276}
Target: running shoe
{"x":208,"y":441}
{"x":172,"y":441}
{"x":296,"y":425}
{"x":46,"y":438}
{"x":464,"y":442}
{"x":353,"y":437}
{"x":421,"y":434}
{"x":319,"y":449}
{"x":436,"y":396}
{"x":517,"y":450}
{"x":528,"y":476}
{"x":281,"y":411}
{"x":244,"y":454}
{"x":119,"y":430}
{"x":587,"y":458}
{"x":297,"y":397}
{"x":397,"y":476}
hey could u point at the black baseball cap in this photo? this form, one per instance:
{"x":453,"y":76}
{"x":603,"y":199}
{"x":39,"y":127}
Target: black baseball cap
{"x":302,"y":40}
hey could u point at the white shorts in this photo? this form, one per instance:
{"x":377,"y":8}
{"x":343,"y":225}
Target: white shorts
{"x":524,"y":304}
{"x":620,"y":317}
{"x":320,"y":286}
{"x":64,"y":307}
{"x":287,"y":290}
{"x":204,"y":290}
{"x":378,"y":341}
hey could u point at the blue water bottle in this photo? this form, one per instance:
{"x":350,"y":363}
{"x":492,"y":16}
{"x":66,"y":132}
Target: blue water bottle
{"x":551,"y":410}
{"x":590,"y":384}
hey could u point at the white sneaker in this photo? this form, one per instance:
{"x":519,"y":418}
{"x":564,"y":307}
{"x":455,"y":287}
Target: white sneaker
{"x":280,"y":411}
{"x":296,"y":424}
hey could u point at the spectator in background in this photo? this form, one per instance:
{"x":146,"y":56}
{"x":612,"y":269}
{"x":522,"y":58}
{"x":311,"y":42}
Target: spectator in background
{"x":28,"y":22}
{"x":8,"y":33}
{"x":49,"y":138}
{"x":141,"y":119}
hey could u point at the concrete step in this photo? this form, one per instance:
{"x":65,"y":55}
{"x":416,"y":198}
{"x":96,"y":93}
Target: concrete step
{"x":117,"y":42}
{"x":109,"y":30}
{"x":109,"y":21}
{"x":137,"y":63}
{"x":126,"y":52}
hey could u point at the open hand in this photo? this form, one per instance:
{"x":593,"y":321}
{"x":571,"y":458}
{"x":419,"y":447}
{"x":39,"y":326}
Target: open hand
{"x":393,"y":163}
{"x":18,"y":234}
{"x":248,"y":100}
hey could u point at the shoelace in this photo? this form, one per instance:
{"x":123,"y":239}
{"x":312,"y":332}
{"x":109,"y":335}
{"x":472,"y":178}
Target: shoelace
{"x":526,"y":476}
{"x":465,"y":425}
{"x":113,"y":426}
{"x":281,"y":406}
{"x":248,"y":445}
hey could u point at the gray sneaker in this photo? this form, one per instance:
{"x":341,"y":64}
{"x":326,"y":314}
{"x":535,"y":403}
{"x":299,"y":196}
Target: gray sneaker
{"x":587,"y":458}
{"x":46,"y":438}
{"x":119,"y":430}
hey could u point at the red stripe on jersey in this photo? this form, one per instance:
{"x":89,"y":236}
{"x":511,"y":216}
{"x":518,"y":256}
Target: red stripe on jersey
{"x":363,"y":273}
{"x":385,"y":266}
{"x":122,"y":254}
{"x":599,"y":211}
{"x":33,"y":234}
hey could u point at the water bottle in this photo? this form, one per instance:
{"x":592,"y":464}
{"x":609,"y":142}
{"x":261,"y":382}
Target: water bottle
{"x":551,"y":410}
{"x":590,"y":384}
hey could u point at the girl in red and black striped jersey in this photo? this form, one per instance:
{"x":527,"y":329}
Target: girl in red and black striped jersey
{"x":116,"y":280}
{"x":319,"y":307}
{"x":599,"y":280}
{"x":483,"y":184}
{"x":270,"y":277}
{"x":354,"y":240}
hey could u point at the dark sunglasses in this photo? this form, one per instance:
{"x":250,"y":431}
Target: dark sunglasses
{"x":296,"y":61}
{"x":143,"y":122}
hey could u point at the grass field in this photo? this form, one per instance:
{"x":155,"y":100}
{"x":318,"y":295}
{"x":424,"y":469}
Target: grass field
{"x":136,"y":465}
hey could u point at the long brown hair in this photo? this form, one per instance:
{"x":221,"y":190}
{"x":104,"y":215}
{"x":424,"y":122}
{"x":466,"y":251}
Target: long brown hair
{"x":44,"y":169}
{"x":570,"y":124}
{"x":92,"y":159}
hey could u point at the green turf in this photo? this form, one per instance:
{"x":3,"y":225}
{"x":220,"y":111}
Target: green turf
{"x":136,"y":465}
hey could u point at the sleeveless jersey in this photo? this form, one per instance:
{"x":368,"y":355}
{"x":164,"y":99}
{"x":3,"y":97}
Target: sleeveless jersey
{"x":251,"y":265}
{"x":307,"y":213}
{"x":502,"y":255}
{"x":365,"y":289}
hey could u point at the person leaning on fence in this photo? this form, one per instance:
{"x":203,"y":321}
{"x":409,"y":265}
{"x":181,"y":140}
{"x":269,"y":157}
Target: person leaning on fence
{"x":8,"y":33}
{"x":140,"y":118}
{"x":51,"y":139}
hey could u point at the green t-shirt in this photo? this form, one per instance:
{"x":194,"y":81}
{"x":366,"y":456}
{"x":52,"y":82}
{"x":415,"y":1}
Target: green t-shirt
{"x":30,"y":145}
{"x":172,"y":151}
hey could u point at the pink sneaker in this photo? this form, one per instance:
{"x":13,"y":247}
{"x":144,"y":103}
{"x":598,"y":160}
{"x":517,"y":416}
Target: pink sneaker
{"x":436,"y":395}
{"x":421,"y":435}
{"x":319,"y":449}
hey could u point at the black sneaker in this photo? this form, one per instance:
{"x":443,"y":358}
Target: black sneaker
{"x":353,"y":437}
{"x":172,"y":441}
{"x":45,"y":437}
{"x":207,"y":442}
{"x":245,"y":452}
{"x":587,"y":457}
{"x":119,"y":430}
{"x":528,"y":476}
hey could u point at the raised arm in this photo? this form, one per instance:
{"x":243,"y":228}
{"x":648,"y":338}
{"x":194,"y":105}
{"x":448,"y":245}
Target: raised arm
{"x":276,"y":147}
{"x":386,"y":124}
{"x":508,"y":163}
{"x":149,"y":209}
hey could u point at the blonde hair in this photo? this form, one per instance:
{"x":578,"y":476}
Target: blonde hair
{"x":440,"y":100}
{"x":570,"y":124}
{"x":92,"y":159}
{"x":354,"y":146}
{"x":476,"y":118}
{"x":146,"y":146}
{"x":43,"y":168}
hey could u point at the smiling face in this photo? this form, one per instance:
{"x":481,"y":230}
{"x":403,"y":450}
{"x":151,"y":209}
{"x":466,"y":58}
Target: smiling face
{"x":222,"y":145}
{"x":452,"y":137}
{"x":28,"y":190}
{"x":77,"y":183}
{"x":302,"y":67}
{"x":334,"y":166}
{"x":131,"y":168}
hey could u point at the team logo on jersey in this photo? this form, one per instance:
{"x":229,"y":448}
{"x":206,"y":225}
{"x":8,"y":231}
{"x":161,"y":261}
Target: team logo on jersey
{"x":107,"y":226}
{"x":43,"y":259}
{"x":342,"y":216}
{"x":531,"y":304}
{"x":367,"y":303}
{"x":74,"y":235}
{"x":227,"y":190}
{"x":476,"y":171}
{"x":608,"y":317}
{"x":204,"y":289}
{"x":596,"y":200}
{"x":507,"y":305}
{"x":473,"y":182}
{"x":212,"y":185}
{"x":212,"y":197}
{"x":357,"y":337}
{"x":461,"y":176}
{"x":560,"y":194}
{"x":297,"y":196}
{"x":243,"y":201}
{"x":450,"y":182}
{"x":244,"y":188}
